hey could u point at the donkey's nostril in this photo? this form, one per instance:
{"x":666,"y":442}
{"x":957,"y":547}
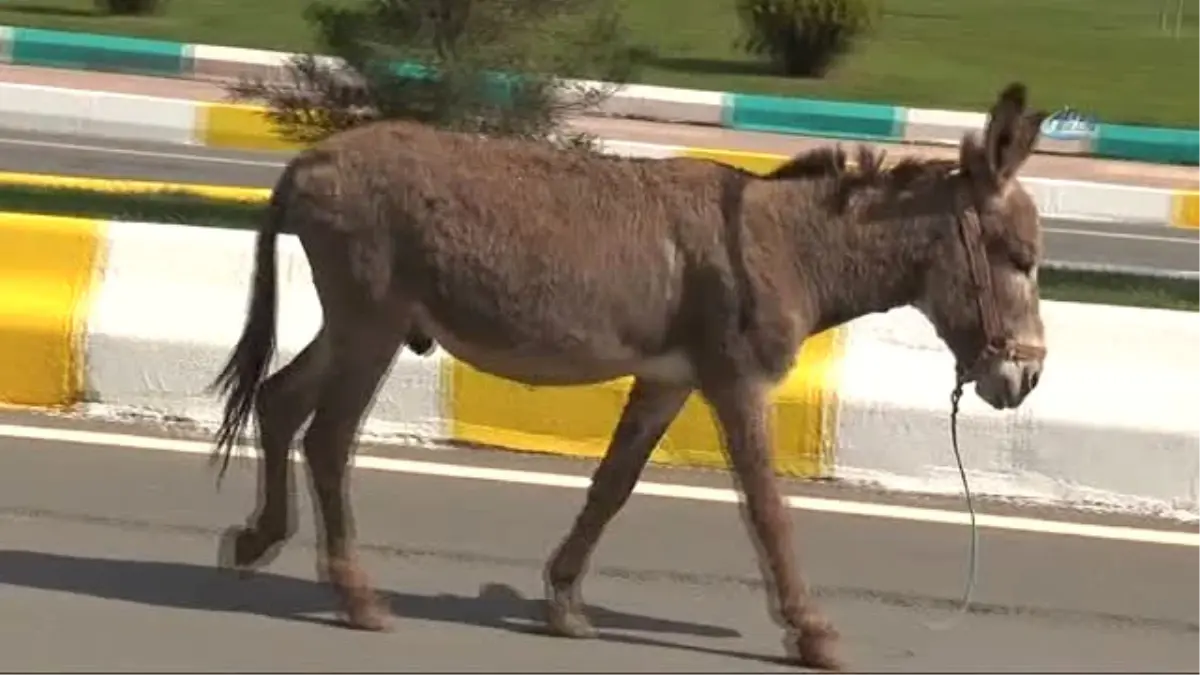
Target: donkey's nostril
{"x":1032,"y":375}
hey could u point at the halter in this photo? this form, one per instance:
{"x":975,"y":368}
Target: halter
{"x":997,"y":343}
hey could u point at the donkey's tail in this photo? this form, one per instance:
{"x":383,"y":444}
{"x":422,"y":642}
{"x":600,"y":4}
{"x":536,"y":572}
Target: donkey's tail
{"x":420,"y":343}
{"x":246,"y":368}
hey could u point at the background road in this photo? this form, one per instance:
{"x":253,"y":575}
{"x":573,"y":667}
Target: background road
{"x":106,"y":559}
{"x":1046,"y":166}
{"x":1090,"y":242}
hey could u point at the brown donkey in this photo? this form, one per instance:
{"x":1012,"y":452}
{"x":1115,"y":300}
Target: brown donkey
{"x":555,"y":267}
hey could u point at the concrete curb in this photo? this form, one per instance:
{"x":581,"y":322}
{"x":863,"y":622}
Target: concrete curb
{"x":859,"y":406}
{"x":834,"y":119}
{"x":90,"y":114}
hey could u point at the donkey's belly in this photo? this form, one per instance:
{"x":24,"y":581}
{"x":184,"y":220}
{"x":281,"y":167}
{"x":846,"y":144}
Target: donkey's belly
{"x":551,"y":363}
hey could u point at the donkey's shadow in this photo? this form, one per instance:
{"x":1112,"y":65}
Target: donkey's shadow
{"x":196,"y":587}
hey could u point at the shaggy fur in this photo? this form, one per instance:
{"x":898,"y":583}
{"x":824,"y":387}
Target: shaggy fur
{"x":557,"y":267}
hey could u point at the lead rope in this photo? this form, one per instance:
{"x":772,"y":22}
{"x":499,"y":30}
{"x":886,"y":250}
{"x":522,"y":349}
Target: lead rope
{"x":973,"y":569}
{"x":983,"y":286}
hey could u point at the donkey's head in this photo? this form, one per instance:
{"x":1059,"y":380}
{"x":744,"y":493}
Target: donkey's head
{"x":981,"y":291}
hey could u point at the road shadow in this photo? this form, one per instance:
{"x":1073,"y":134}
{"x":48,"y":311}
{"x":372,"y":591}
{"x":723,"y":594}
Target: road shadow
{"x":196,"y":587}
{"x":42,"y":10}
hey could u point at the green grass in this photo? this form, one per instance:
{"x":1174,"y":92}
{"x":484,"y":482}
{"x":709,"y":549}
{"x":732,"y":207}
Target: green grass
{"x":187,"y":209}
{"x":1119,"y":289}
{"x":1107,"y":57}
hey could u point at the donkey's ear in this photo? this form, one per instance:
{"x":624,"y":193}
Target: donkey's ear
{"x":1026,"y":139}
{"x":1010,"y":134}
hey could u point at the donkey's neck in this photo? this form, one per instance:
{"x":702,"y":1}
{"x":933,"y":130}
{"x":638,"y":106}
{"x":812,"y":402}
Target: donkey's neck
{"x":856,"y":265}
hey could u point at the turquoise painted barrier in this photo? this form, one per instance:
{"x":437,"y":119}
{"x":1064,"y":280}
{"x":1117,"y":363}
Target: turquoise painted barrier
{"x":86,"y":51}
{"x":775,"y":114}
{"x":837,"y":119}
{"x":1148,"y":144}
{"x":499,"y":87}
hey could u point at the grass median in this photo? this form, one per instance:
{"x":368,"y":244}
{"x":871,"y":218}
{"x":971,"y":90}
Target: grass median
{"x":1120,"y":60}
{"x":182,"y":208}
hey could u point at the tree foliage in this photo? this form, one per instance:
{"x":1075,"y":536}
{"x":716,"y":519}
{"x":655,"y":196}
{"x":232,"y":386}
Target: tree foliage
{"x":493,"y":67}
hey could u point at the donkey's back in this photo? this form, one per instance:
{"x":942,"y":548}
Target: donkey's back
{"x":534,"y":263}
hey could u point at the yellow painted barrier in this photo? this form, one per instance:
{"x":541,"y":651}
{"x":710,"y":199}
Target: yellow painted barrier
{"x":1185,"y":210}
{"x":47,"y":273}
{"x":754,"y":162}
{"x":578,"y":421}
{"x":222,"y":192}
{"x":237,"y":127}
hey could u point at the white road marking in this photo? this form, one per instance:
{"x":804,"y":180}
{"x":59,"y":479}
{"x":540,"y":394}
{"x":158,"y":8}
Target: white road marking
{"x":179,"y":156}
{"x":667,"y":490}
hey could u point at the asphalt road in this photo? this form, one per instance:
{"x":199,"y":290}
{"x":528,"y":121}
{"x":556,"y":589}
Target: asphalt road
{"x":106,"y":564}
{"x":1086,"y":242}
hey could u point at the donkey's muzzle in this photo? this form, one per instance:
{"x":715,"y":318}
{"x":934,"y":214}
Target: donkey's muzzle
{"x":1007,"y":383}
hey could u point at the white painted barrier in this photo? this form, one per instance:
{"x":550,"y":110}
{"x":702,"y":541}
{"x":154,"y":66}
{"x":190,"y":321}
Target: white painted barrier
{"x":95,"y":114}
{"x":1112,"y":423}
{"x":171,"y":304}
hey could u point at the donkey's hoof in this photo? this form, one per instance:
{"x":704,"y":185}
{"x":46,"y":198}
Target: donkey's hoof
{"x":816,"y":650}
{"x":242,"y":550}
{"x":565,"y":620}
{"x":231,"y":550}
{"x":368,"y":614}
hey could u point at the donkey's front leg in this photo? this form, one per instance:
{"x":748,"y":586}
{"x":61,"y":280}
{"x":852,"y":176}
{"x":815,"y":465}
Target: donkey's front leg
{"x":741,"y":408}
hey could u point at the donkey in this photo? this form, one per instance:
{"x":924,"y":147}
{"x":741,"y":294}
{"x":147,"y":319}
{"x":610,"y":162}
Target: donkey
{"x":554,"y":267}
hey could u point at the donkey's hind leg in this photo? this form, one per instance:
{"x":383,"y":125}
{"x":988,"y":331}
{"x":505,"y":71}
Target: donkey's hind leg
{"x":648,"y":412}
{"x":362,"y":348}
{"x":284,"y":401}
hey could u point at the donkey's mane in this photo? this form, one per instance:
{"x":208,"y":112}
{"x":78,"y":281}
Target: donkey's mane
{"x":869,"y":173}
{"x":869,"y":169}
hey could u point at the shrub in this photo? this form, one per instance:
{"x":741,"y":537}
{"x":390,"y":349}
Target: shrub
{"x":804,"y":37}
{"x":483,"y":66}
{"x":127,"y":7}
